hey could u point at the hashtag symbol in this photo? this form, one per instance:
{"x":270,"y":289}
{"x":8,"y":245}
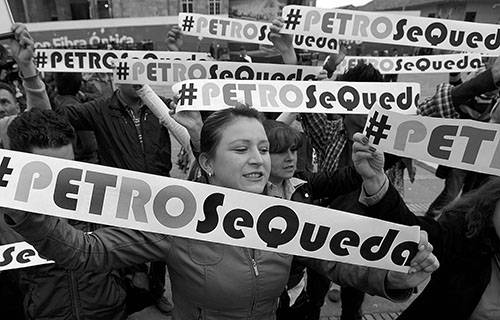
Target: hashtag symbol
{"x":293,"y":19}
{"x":187,"y":94}
{"x":377,"y":128}
{"x":187,"y":23}
{"x":40,"y":59}
{"x":122,"y":70}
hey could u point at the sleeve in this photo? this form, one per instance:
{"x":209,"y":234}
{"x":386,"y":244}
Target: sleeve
{"x":440,"y":105}
{"x":83,"y":116}
{"x":36,"y":98}
{"x":103,"y":250}
{"x":366,"y":279}
{"x":330,"y":185}
{"x":320,"y":130}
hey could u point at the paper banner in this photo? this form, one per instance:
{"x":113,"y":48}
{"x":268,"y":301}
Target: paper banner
{"x":157,"y":72}
{"x":247,"y":31}
{"x":419,"y":64}
{"x":298,"y":96}
{"x":20,"y":255}
{"x":382,"y":27}
{"x":6,"y":20}
{"x":464,"y":144}
{"x":135,"y":200}
{"x":100,"y":61}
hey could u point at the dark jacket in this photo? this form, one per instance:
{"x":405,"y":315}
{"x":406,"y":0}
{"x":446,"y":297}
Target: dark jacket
{"x":52,"y":292}
{"x":85,"y":144}
{"x":117,"y":136}
{"x":457,"y":286}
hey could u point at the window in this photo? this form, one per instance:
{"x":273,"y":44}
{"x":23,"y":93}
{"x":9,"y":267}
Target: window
{"x":470,"y":16}
{"x":186,"y":5}
{"x":213,"y":6}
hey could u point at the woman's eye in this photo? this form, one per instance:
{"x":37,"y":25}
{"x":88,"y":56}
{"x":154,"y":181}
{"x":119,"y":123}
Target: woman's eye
{"x":264,"y":150}
{"x":240,"y":149}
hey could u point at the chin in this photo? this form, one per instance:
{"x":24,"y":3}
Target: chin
{"x":256,"y":188}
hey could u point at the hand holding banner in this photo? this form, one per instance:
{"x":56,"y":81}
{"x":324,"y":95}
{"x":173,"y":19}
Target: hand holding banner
{"x":135,"y":200}
{"x":247,"y":31}
{"x":298,"y":96}
{"x":383,"y":27}
{"x":464,"y":144}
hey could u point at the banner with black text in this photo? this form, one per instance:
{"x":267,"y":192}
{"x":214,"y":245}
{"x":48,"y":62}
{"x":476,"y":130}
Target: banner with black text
{"x":135,"y":200}
{"x":20,"y":255}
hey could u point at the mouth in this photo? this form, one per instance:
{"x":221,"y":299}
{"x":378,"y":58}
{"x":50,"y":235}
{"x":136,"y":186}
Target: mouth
{"x":254,"y":175}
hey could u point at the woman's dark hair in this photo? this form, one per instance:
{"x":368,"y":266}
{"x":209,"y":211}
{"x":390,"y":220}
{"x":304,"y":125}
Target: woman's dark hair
{"x":281,"y":136}
{"x":362,"y":72}
{"x":39,"y":129}
{"x":478,"y":208}
{"x":215,"y":123}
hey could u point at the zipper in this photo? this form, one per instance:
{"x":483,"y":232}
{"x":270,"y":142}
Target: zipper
{"x":74,"y":295}
{"x":255,"y":269}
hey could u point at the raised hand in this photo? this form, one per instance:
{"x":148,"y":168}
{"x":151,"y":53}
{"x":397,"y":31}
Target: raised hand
{"x":174,"y":39}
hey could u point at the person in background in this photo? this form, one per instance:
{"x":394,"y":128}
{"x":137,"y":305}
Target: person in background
{"x":68,"y":86}
{"x":244,"y":57}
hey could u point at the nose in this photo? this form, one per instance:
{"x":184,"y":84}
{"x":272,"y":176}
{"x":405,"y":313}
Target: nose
{"x":291,"y":155}
{"x":256,"y":157}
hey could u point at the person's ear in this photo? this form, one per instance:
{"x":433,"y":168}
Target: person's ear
{"x":206,"y":164}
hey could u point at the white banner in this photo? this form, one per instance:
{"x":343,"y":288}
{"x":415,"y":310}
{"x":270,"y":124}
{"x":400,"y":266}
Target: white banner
{"x":6,"y":20}
{"x":464,"y":144}
{"x":157,"y":72}
{"x":247,"y":31}
{"x":135,"y":200}
{"x":419,"y":64}
{"x":392,"y":29}
{"x":101,"y":61}
{"x":20,"y":255}
{"x":298,"y":96}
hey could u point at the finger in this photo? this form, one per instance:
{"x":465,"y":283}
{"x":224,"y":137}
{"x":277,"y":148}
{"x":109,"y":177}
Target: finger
{"x":274,"y":29}
{"x":175,"y":99}
{"x":360,"y":137}
{"x":358,"y":147}
{"x":361,"y":155}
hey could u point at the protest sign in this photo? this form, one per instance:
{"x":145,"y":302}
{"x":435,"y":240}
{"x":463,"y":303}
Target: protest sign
{"x":464,"y":144}
{"x":20,"y":255}
{"x":419,"y":64}
{"x":135,"y":200}
{"x":97,"y":32}
{"x":392,"y":29}
{"x":247,"y":31}
{"x":6,"y":20}
{"x":298,"y":96}
{"x":101,"y":61}
{"x":157,"y":72}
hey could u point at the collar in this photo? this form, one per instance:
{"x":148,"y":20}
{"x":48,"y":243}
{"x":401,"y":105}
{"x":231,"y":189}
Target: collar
{"x":289,"y":187}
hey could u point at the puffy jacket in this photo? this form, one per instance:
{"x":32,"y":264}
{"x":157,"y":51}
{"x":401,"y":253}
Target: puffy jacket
{"x":209,"y":281}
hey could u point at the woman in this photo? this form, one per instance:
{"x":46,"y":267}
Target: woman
{"x":214,"y":281}
{"x":466,"y":239}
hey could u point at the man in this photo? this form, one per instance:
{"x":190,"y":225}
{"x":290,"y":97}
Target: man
{"x":244,"y":57}
{"x":50,"y":291}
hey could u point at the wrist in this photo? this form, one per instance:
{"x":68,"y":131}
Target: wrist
{"x":28,"y":71}
{"x":374,"y":184}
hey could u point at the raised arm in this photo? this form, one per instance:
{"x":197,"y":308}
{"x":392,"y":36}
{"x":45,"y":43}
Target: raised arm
{"x":23,"y":48}
{"x":103,"y":250}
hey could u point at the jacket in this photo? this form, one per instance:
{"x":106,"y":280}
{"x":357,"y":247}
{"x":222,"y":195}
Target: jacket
{"x":465,"y":264}
{"x":209,"y":280}
{"x":121,"y":144}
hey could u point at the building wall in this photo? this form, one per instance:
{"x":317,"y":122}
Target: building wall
{"x":148,"y":8}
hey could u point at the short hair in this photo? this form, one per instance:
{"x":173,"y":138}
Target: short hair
{"x":7,"y":87}
{"x":362,"y":72}
{"x":215,"y":124}
{"x":281,"y":136}
{"x":39,"y":129}
{"x":68,"y":83}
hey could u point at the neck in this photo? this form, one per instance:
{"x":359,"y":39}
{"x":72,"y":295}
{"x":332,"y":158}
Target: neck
{"x":276,"y":181}
{"x":134,"y":103}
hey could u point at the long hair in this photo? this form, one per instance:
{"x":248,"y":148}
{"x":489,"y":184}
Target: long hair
{"x":478,"y":208}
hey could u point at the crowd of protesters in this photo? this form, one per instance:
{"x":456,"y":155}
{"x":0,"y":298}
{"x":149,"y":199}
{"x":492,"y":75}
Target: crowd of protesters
{"x":103,"y":272}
